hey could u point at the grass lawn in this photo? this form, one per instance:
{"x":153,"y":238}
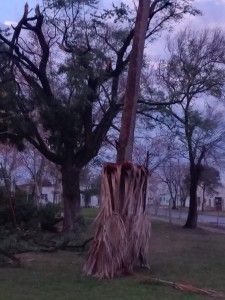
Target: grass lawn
{"x":90,"y":212}
{"x":182,"y":255}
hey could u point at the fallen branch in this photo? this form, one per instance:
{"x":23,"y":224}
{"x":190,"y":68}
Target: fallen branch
{"x":180,"y":286}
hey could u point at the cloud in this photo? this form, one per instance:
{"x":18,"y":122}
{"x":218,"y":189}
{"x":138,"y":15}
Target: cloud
{"x":9,"y":23}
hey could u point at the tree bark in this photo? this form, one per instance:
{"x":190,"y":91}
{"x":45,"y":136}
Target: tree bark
{"x":183,"y":202}
{"x":125,"y":146}
{"x":71,"y":195}
{"x":193,"y":209}
{"x":174,"y":206}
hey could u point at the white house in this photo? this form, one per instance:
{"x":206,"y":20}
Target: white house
{"x":49,"y":194}
{"x":93,"y":202}
{"x":214,"y":201}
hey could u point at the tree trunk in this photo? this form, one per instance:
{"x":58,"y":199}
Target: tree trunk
{"x":87,"y":200}
{"x":125,"y":146}
{"x":193,"y":206}
{"x":203,"y":199}
{"x":170,"y":213}
{"x":71,"y":195}
{"x":174,"y":206}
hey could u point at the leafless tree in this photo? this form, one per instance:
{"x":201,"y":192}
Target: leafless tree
{"x":173,"y":174}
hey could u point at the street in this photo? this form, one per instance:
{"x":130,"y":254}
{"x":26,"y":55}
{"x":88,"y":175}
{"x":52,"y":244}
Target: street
{"x":177,"y":214}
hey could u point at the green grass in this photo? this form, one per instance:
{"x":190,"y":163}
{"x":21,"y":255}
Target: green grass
{"x":90,"y":212}
{"x":182,"y":255}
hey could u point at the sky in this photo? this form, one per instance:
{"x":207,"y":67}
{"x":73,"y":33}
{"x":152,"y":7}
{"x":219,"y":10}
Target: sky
{"x":11,"y":10}
{"x":213,"y":15}
{"x":213,"y":11}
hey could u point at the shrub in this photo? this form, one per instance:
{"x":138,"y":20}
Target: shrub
{"x":48,"y":216}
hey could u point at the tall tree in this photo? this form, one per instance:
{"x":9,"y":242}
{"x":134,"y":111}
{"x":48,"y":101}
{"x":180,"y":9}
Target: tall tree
{"x":57,"y":122}
{"x":195,"y":74}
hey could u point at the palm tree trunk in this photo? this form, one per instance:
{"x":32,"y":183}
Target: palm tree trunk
{"x":123,"y":227}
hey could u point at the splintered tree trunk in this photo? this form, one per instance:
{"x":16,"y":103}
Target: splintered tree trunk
{"x":123,"y":228}
{"x":71,"y":195}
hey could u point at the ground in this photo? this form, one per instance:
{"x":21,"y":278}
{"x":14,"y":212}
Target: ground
{"x":187,"y":256}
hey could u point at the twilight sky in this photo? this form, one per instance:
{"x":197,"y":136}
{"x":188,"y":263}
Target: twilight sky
{"x":213,"y":10}
{"x":11,"y":10}
{"x":213,"y":15}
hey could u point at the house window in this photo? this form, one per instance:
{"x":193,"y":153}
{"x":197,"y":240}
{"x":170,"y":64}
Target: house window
{"x":57,"y":198}
{"x":44,"y":197}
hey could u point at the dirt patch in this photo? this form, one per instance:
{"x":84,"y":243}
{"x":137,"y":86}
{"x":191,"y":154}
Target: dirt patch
{"x":60,"y":256}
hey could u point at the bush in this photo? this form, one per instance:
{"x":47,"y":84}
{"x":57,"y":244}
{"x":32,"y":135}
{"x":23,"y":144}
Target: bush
{"x":27,"y":214}
{"x":48,"y":216}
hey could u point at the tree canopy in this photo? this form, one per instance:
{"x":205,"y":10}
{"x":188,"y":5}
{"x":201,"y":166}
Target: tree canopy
{"x":64,"y":71}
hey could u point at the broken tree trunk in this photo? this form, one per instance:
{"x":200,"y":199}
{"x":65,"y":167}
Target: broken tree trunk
{"x":126,"y":138}
{"x":123,"y":226}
